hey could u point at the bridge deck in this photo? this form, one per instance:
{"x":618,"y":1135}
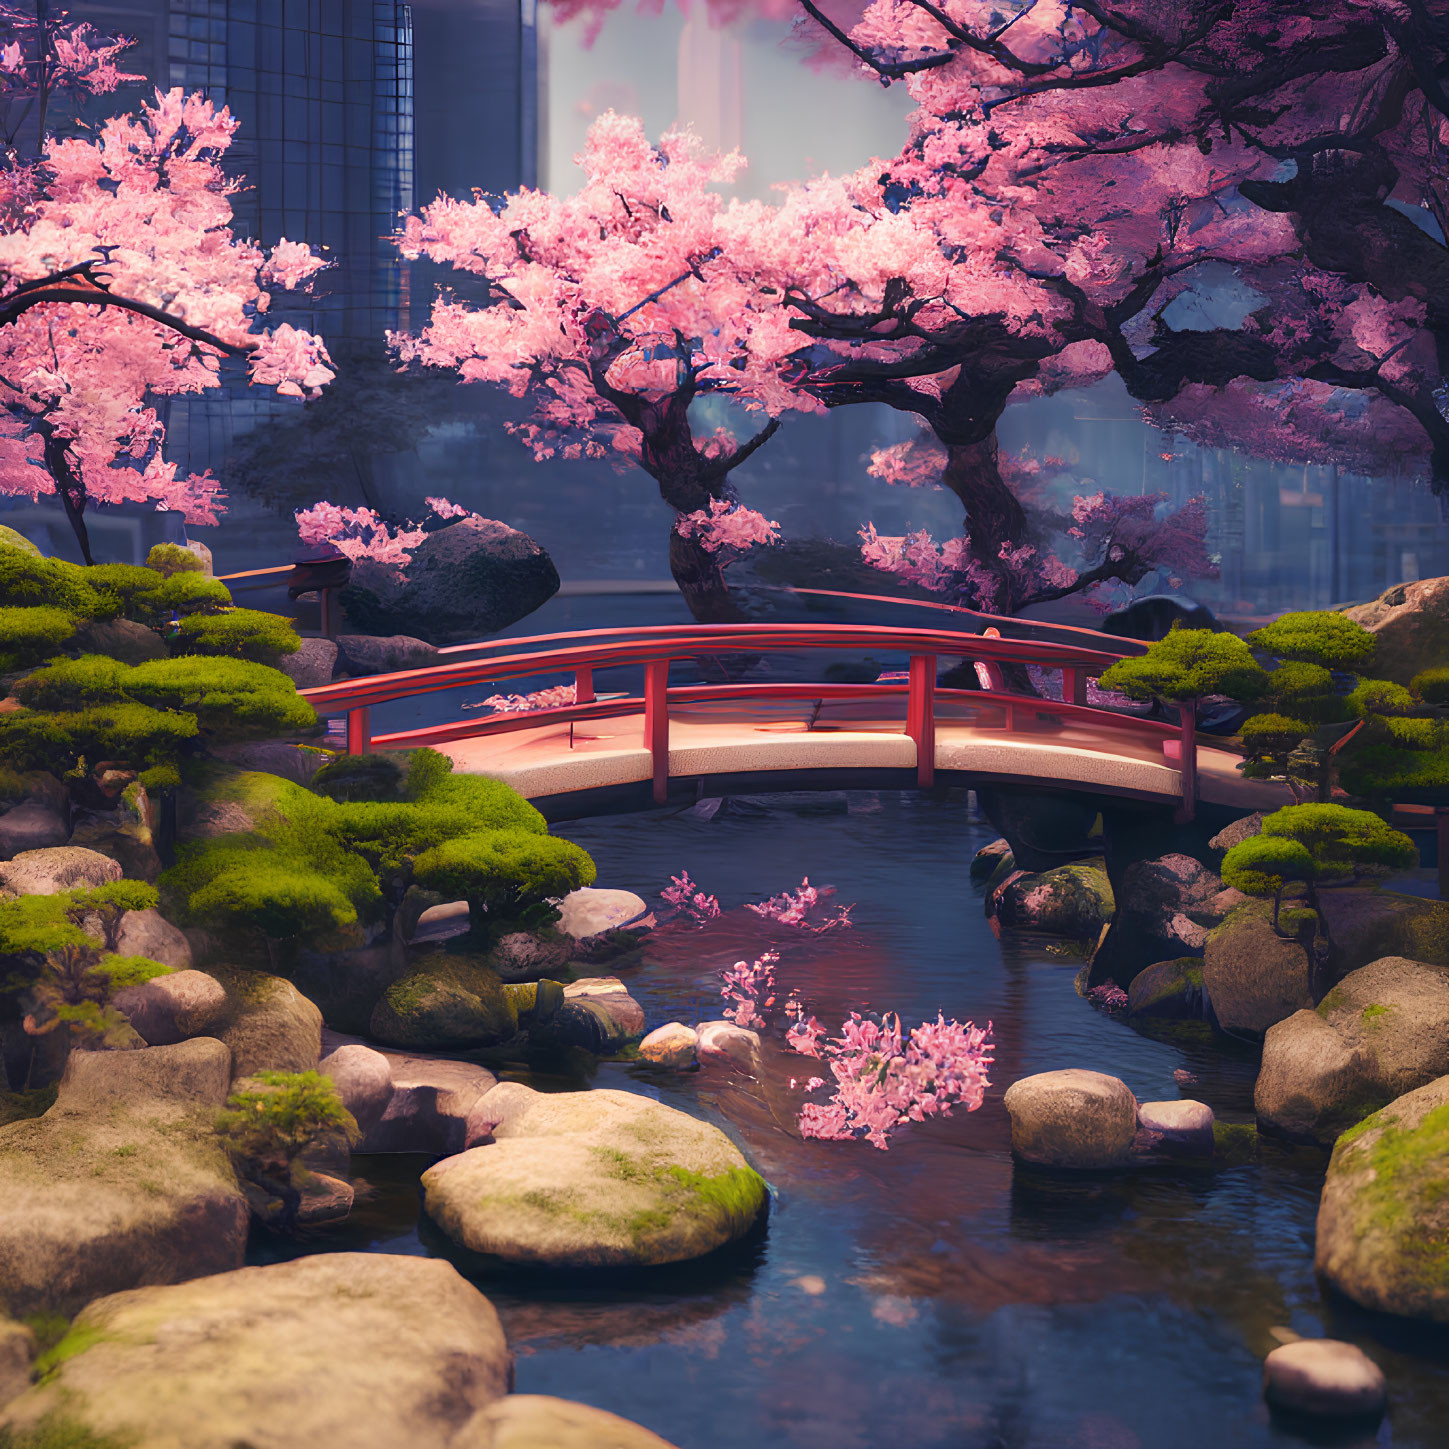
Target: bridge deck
{"x":725,"y":738}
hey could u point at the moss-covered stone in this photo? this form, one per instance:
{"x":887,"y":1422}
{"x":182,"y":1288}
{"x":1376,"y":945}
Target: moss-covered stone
{"x":121,"y":1183}
{"x":1364,"y":924}
{"x":594,"y":1179}
{"x":445,"y":1001}
{"x":1253,"y":977}
{"x":1383,"y":1219}
{"x":1378,"y":1034}
{"x":1171,"y":989}
{"x":1073,"y":900}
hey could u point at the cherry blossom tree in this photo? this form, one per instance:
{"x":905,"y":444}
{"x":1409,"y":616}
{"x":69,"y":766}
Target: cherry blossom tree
{"x":616,"y":309}
{"x":121,"y":281}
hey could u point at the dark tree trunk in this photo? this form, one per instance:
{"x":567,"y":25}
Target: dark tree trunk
{"x":71,"y":489}
{"x":702,"y":582}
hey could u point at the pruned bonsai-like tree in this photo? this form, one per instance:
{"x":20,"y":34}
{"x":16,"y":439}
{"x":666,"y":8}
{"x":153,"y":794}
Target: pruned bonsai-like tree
{"x":271,"y":1120}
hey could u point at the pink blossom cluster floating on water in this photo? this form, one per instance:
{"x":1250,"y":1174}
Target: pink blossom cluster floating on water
{"x":689,"y":898}
{"x":744,"y":984}
{"x":555,"y":698}
{"x":883,"y":1082}
{"x":790,"y":907}
{"x":1109,"y":996}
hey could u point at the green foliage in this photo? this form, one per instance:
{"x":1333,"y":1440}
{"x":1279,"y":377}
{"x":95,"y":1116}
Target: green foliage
{"x":1381,"y":696}
{"x":489,"y":804}
{"x":71,"y":975}
{"x":269,"y":1125}
{"x":427,"y":772}
{"x":361,"y":777}
{"x":1263,"y":864}
{"x":1432,"y":685}
{"x":1306,"y":691}
{"x":71,"y":684}
{"x":1297,"y":920}
{"x":273,"y":895}
{"x":132,"y":587}
{"x":1333,"y":641}
{"x":1342,"y":842}
{"x":1272,"y":735}
{"x":505,"y":872}
{"x":159,"y":779}
{"x":238,"y":634}
{"x":9,"y":538}
{"x":61,"y":742}
{"x":173,"y":558}
{"x":283,"y":1115}
{"x":1187,"y":665}
{"x":231,"y":699}
{"x":31,"y":633}
{"x":1385,"y":771}
{"x":27,"y":580}
{"x":184,"y":593}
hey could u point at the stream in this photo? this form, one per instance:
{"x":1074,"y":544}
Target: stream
{"x":933,"y":1295}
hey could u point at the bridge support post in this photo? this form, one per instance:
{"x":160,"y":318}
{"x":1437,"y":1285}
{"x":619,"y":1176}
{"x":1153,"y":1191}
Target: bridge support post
{"x":1187,"y":762}
{"x":921,"y":716}
{"x":1074,"y":684}
{"x":583,"y":686}
{"x":656,"y":724}
{"x":359,"y":731}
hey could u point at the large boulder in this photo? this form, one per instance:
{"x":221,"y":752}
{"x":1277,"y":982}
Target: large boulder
{"x":597,"y":1014}
{"x":122,"y":639}
{"x":435,"y":1106}
{"x":1364,"y":924}
{"x":524,"y":955}
{"x":445,"y":1001}
{"x":268,"y":1025}
{"x":149,"y":934}
{"x":1169,"y":989}
{"x":367,"y":654}
{"x":1411,"y":624}
{"x":60,"y":868}
{"x":32,"y":825}
{"x":312,"y":665}
{"x":369,"y":1349}
{"x":465,"y":581}
{"x":1383,"y":1218}
{"x":1381,"y":1032}
{"x":364,"y":1082}
{"x":600,"y":924}
{"x":123,"y":1182}
{"x":283,"y":758}
{"x":537,"y":1421}
{"x":1072,"y":1118}
{"x":17,"y":1353}
{"x":1254,"y":977}
{"x":1165,"y":908}
{"x":1072,"y":900}
{"x":169,"y":1009}
{"x":594,"y":1179}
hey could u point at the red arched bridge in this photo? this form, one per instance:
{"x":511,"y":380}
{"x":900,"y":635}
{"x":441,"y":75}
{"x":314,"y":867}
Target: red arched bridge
{"x":899,"y":730}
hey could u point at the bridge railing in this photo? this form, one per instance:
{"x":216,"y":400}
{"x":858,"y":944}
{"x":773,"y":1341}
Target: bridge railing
{"x":655,"y":647}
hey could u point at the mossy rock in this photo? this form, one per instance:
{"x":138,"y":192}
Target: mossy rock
{"x":1364,"y":924}
{"x":445,"y":1001}
{"x":1377,"y":1035}
{"x":122,"y":1182}
{"x":1383,"y":1219}
{"x":1072,"y":900}
{"x":122,"y":639}
{"x":1253,"y":977}
{"x":367,"y":1349}
{"x":1172,"y":990}
{"x":599,"y":1179}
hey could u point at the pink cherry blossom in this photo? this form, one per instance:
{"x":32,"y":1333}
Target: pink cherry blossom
{"x":683,"y":893}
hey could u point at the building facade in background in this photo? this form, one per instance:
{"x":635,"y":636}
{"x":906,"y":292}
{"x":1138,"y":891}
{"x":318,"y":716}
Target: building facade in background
{"x":351,"y":112}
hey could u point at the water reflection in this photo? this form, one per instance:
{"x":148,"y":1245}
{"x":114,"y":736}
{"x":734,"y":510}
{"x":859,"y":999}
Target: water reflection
{"x":934,"y":1295}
